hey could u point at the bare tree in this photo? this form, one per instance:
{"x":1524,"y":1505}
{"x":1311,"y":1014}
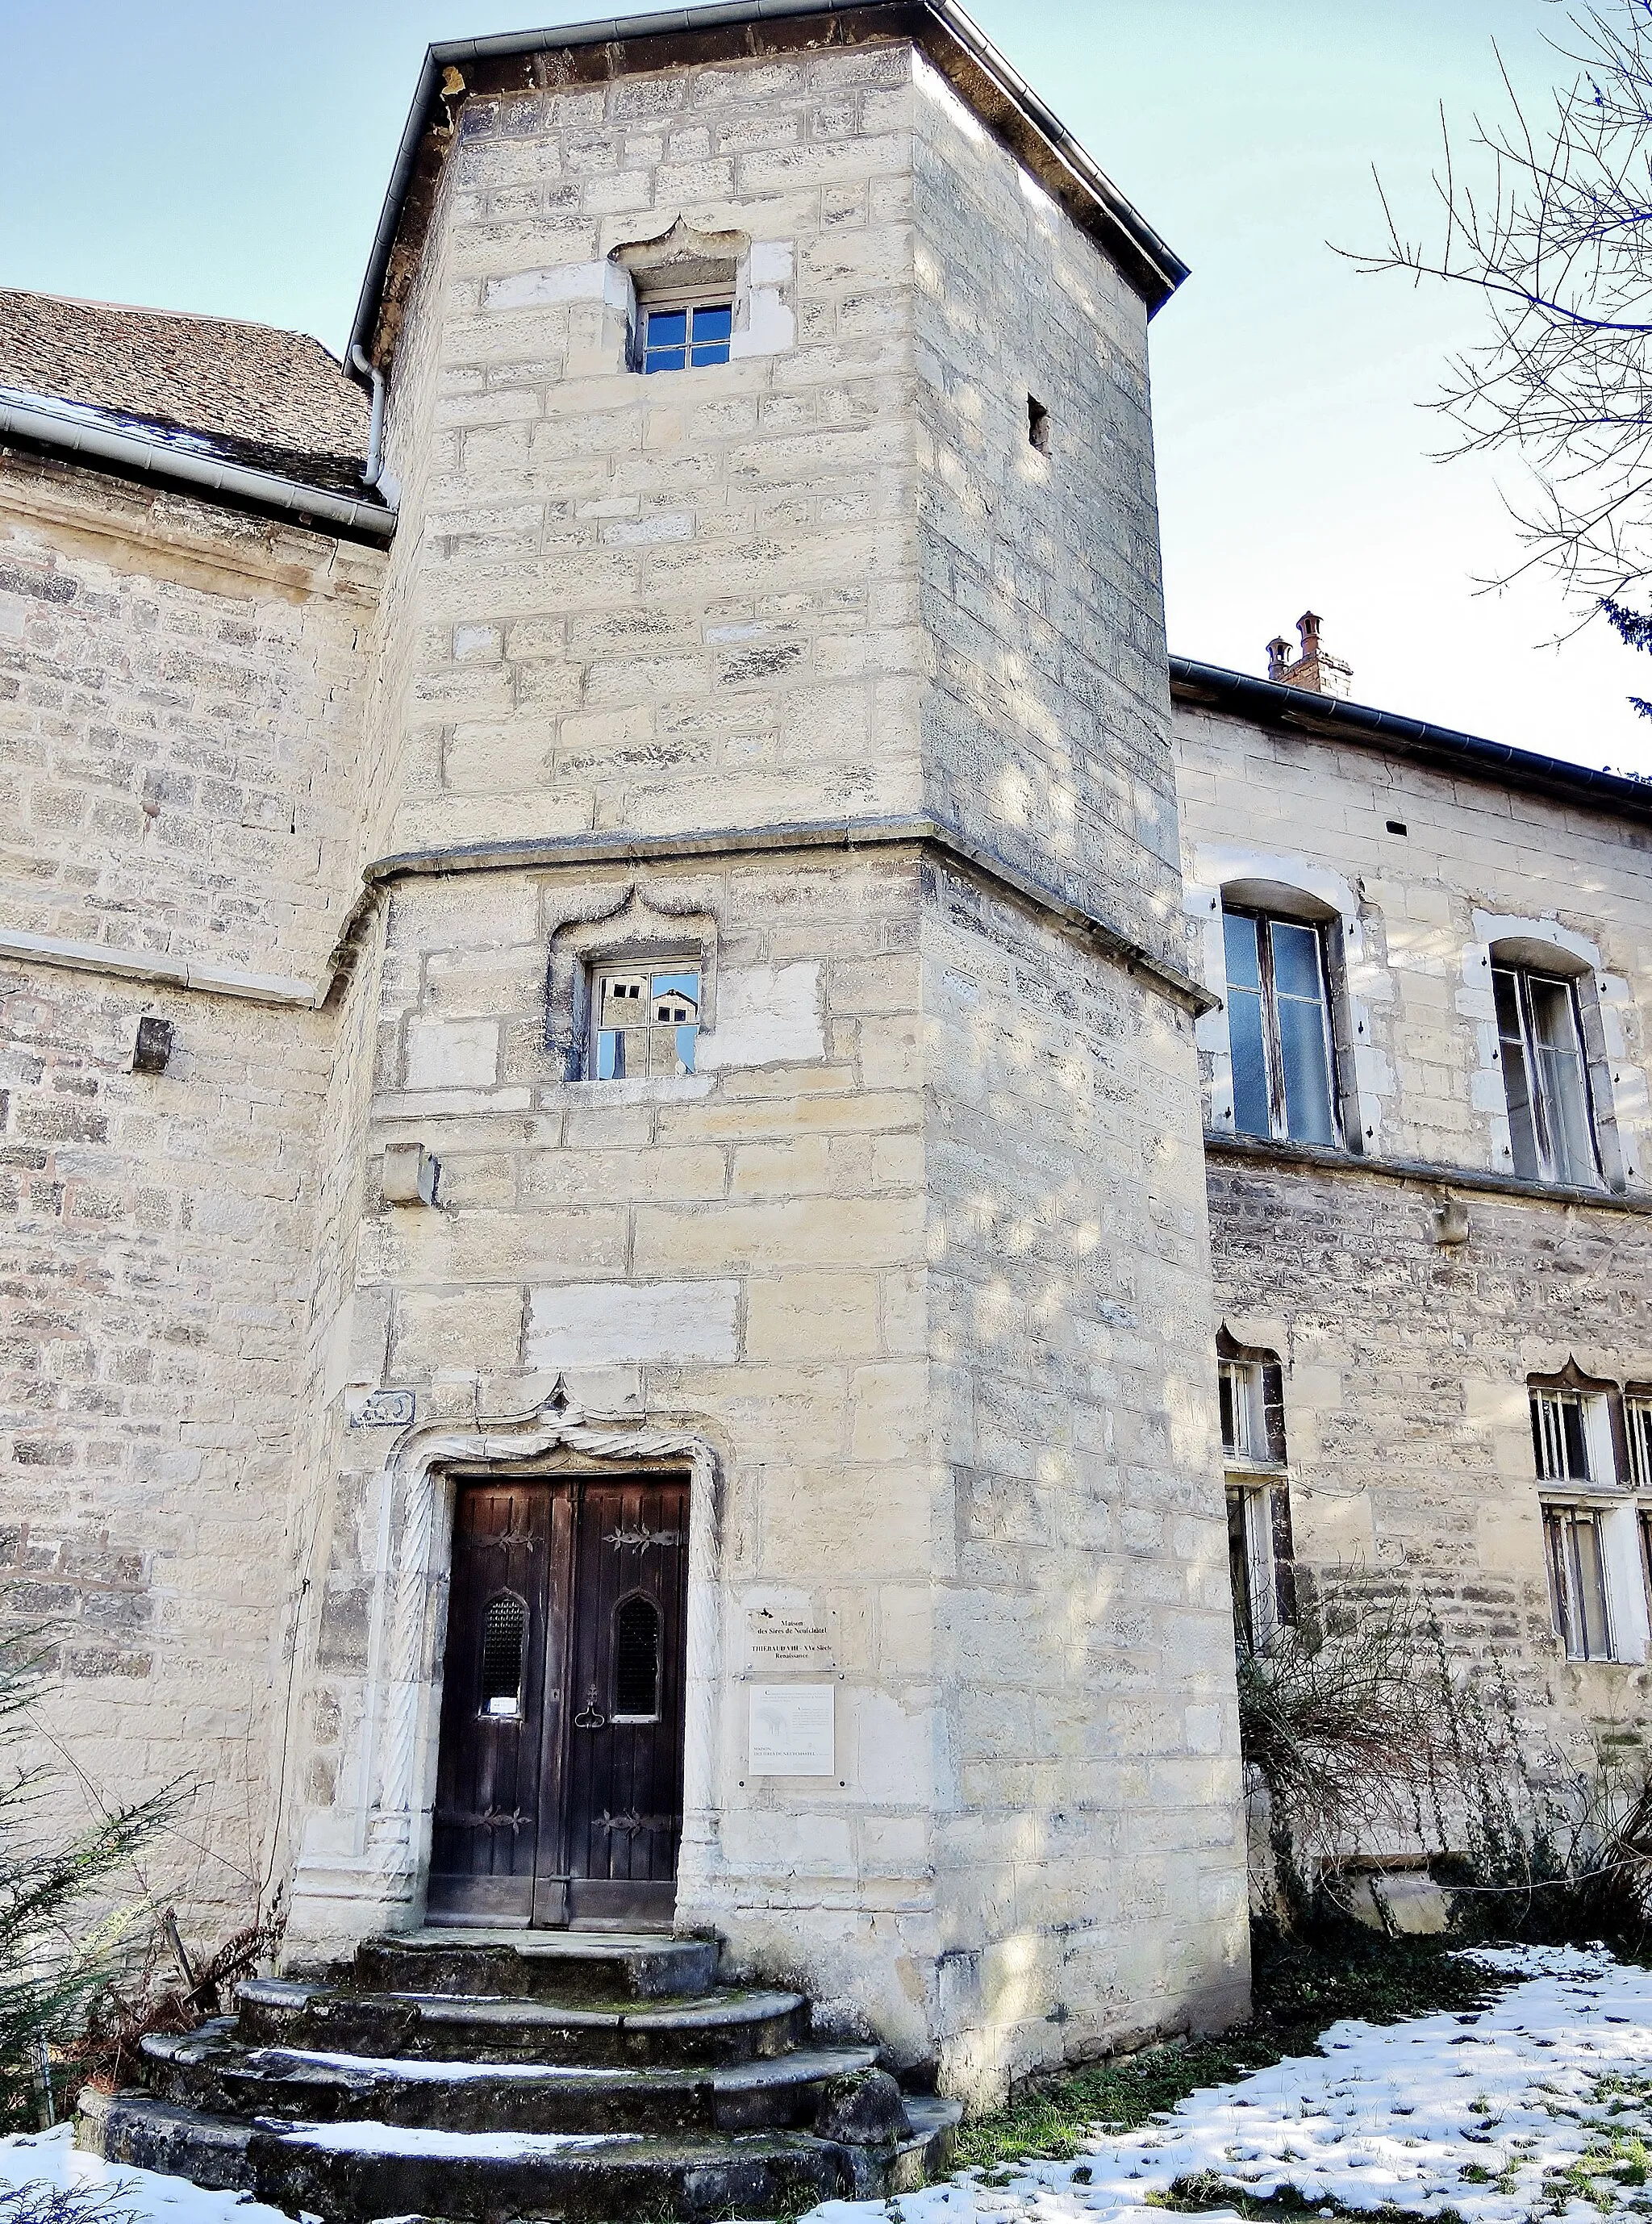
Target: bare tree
{"x":1558,"y":240}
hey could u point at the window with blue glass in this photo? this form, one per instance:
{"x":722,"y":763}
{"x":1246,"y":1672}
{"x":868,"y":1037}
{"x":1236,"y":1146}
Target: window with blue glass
{"x":1279,"y":1029}
{"x":688,"y":338}
{"x":645,"y":1021}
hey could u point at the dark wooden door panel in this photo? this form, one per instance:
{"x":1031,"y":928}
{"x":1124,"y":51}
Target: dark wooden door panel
{"x":485,"y":1842}
{"x":559,"y":1777}
{"x":622,"y":1814}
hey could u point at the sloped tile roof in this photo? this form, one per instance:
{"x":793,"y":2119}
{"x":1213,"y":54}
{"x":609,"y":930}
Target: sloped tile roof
{"x":274,"y":400}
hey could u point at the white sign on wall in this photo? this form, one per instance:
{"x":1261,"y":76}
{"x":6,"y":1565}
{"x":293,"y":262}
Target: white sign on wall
{"x":792,"y":1729}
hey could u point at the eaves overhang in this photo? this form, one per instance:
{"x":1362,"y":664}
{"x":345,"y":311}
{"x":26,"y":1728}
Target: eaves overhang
{"x":1266,"y":702}
{"x":733,"y":30}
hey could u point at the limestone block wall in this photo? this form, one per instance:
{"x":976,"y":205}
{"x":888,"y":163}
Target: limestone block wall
{"x":182,"y":692}
{"x":1406,"y":1407}
{"x":157,"y":1250}
{"x":1089,"y":1852}
{"x":1478,"y":862}
{"x":179,"y":691}
{"x":678,"y":602}
{"x":1046,"y":717}
{"x":1406,"y":1364}
{"x":736,"y":1256}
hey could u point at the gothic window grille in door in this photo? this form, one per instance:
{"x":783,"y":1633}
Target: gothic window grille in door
{"x":559,"y":1774}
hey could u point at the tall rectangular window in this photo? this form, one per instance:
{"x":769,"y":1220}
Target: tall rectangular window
{"x":689,"y":335}
{"x":1545,"y":1079}
{"x":645,"y":1021}
{"x":1577,"y":1581}
{"x":1637,"y":1427}
{"x":1278,"y":1028}
{"x":1259,"y":1549}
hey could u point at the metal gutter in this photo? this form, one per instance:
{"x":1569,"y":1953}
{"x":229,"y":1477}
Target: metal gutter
{"x":156,"y":459}
{"x":1306,"y":1157}
{"x":1264,"y":700}
{"x":1163,"y":266}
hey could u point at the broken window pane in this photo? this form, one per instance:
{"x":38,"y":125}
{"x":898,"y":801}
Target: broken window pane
{"x":1560,"y":1436}
{"x":1637,"y":1423}
{"x":645,"y":1021}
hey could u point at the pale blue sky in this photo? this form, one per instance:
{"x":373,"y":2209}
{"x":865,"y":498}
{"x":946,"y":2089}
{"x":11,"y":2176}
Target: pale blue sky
{"x":231,"y":157}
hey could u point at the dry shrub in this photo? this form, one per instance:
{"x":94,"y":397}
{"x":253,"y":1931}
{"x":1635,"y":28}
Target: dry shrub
{"x":1342,"y":1719}
{"x":160,"y":1997}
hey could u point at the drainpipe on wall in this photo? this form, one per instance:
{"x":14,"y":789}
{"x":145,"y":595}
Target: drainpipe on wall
{"x":375,"y":464}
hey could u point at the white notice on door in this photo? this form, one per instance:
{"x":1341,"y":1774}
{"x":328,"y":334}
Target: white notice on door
{"x":791,"y":1730}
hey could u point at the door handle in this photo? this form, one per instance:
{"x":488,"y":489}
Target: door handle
{"x":591,"y":1715}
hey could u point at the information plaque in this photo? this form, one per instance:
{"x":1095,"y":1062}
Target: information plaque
{"x":791,"y":1730}
{"x":787,"y":1641}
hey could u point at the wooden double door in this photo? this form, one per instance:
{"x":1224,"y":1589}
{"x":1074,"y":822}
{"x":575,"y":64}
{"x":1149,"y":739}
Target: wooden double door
{"x":559,"y":1776}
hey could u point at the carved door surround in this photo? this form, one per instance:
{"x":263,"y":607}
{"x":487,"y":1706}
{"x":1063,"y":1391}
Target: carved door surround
{"x":370,"y":1852}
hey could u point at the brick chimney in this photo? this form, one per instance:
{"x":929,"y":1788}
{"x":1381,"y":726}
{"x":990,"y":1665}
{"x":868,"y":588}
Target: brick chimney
{"x":1315,"y":670}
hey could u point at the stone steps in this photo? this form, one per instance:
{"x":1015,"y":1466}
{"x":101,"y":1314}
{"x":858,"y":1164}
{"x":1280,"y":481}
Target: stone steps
{"x":472,"y":2077}
{"x":208,"y":2070}
{"x":725,"y":2027}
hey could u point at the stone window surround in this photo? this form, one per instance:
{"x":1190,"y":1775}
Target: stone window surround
{"x":677,"y":262}
{"x":1293,"y":888}
{"x":623,"y":926}
{"x":1544,"y":946}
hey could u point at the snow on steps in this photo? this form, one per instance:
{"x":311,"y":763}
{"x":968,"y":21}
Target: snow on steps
{"x":545,"y":2074}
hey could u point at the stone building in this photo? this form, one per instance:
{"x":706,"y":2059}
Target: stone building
{"x":651,"y":1045}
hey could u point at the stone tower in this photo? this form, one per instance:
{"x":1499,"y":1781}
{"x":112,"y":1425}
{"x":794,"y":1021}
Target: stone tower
{"x":810,"y":687}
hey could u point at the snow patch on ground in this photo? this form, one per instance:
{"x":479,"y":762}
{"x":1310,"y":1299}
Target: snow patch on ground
{"x":51,"y":2158}
{"x":1498,"y":2115}
{"x":1464,"y":2112}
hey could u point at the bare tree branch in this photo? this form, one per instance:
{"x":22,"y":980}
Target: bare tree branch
{"x":1560,"y":252}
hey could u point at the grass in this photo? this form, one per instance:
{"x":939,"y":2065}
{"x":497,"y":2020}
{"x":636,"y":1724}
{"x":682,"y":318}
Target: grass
{"x":1298,"y":1991}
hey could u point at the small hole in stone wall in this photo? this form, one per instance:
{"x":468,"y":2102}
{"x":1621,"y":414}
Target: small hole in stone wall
{"x":1038,"y":424}
{"x":1397,"y":826}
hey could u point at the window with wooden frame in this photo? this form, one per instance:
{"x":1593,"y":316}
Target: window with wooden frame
{"x":1572,"y":1433}
{"x":1637,"y":1428}
{"x":645,"y":1019}
{"x":1279,"y":1028}
{"x":1577,"y":1581}
{"x":1545,"y":1078}
{"x":1590,"y":1451}
{"x":1250,"y":1390}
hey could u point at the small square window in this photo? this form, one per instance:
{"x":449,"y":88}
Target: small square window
{"x":692,"y":336}
{"x":645,"y":1021}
